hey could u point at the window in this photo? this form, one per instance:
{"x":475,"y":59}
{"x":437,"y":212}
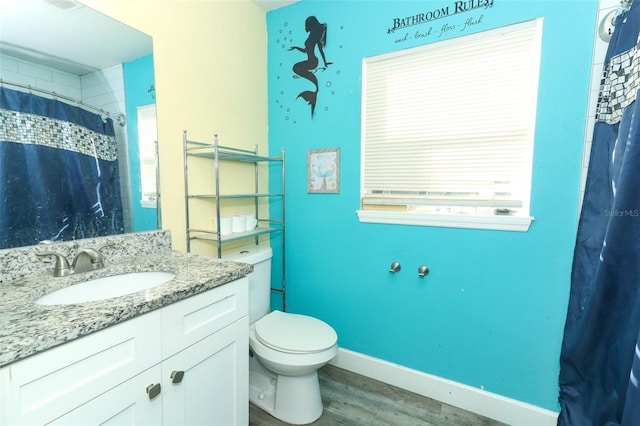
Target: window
{"x":447,"y":131}
{"x":147,"y":137}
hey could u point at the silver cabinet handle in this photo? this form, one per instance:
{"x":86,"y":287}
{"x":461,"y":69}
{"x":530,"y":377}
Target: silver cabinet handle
{"x":153,"y":390}
{"x":176,"y":376}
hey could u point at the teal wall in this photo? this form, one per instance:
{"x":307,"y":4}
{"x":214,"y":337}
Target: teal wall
{"x":138,"y":78}
{"x":491,"y":313}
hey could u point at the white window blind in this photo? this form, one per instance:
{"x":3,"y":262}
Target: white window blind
{"x":147,"y":137}
{"x":449,"y":125}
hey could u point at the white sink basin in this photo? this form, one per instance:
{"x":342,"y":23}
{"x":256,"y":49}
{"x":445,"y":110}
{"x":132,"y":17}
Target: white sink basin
{"x":105,"y":288}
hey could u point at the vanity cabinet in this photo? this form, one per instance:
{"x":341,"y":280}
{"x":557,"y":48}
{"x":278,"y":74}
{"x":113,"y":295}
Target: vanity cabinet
{"x":186,"y":363}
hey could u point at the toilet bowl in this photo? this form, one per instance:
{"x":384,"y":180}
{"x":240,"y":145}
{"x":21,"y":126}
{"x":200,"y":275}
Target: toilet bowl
{"x":291,"y":359}
{"x":286,"y":349}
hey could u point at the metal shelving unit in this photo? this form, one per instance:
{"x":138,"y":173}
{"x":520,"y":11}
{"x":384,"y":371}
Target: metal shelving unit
{"x":222,"y":154}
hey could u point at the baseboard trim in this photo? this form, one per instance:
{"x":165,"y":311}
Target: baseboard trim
{"x":497,"y":407}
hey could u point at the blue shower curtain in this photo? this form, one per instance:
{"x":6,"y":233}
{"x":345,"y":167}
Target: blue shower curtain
{"x":600,"y":360}
{"x":58,"y":172}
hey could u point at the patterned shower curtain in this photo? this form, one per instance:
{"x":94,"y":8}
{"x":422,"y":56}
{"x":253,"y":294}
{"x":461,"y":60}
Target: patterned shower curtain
{"x":600,"y":360}
{"x":58,"y":172}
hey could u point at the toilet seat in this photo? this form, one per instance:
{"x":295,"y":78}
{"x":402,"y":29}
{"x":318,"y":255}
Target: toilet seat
{"x":294,"y":333}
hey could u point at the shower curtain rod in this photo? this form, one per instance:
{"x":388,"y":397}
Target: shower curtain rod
{"x":624,"y":6}
{"x":608,"y":23}
{"x":119,"y":118}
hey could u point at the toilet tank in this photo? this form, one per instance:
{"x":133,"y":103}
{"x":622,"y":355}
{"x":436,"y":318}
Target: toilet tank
{"x":259,"y":279}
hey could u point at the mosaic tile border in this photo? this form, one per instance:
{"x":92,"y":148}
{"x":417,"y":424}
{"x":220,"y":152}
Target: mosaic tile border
{"x":44,"y":131}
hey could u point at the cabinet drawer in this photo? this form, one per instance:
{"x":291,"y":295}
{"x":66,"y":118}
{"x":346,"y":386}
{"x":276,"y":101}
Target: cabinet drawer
{"x":47,"y":385}
{"x":195,"y":318}
{"x":126,"y":404}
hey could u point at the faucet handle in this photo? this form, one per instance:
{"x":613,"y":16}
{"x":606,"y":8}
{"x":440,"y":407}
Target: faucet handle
{"x":99,"y":259}
{"x":105,"y":246}
{"x":61,"y":268}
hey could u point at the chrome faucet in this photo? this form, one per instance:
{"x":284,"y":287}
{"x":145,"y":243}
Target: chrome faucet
{"x":87,"y":259}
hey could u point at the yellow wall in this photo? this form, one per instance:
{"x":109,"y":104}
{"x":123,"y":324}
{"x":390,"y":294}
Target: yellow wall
{"x":210,"y":77}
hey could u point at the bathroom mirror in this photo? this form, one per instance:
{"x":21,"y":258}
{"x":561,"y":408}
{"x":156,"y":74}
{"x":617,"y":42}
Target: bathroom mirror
{"x":87,"y":47}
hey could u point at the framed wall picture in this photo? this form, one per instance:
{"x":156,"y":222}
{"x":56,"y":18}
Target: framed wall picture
{"x":323,"y":171}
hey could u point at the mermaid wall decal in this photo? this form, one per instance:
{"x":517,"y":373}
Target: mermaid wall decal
{"x":308,"y":68}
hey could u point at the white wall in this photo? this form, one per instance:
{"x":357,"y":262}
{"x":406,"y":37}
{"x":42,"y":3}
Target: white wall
{"x":19,"y":71}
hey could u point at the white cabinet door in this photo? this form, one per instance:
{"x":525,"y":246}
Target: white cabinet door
{"x":126,"y":404}
{"x":214,"y":387}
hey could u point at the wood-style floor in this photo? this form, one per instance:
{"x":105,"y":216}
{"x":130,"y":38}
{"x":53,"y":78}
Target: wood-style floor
{"x":352,"y":399}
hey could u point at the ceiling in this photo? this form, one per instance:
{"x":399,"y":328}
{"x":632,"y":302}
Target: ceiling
{"x":66,"y":35}
{"x":268,"y":5}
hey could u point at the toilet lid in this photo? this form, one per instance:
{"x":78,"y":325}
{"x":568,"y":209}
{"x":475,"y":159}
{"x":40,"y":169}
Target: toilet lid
{"x":294,"y":333}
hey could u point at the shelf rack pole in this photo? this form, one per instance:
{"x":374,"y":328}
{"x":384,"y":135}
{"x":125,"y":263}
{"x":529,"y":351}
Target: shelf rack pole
{"x":257,"y":187}
{"x":186,"y":189}
{"x":284,"y":281}
{"x":217,"y":176}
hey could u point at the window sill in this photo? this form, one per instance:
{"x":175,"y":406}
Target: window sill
{"x":149,"y":204}
{"x":492,"y":222}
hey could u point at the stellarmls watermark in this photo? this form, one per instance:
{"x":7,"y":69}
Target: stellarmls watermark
{"x":620,"y":213}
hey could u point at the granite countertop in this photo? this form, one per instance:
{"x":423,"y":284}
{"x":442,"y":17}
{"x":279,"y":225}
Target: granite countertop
{"x":27,"y":328}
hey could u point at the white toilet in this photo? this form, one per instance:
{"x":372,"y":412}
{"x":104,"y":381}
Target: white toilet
{"x":286,"y":350}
